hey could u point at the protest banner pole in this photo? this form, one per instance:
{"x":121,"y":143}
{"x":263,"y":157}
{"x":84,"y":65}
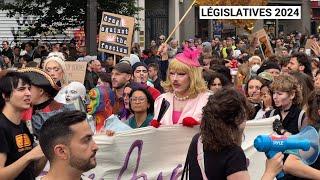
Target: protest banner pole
{"x":184,"y":16}
{"x":114,"y":59}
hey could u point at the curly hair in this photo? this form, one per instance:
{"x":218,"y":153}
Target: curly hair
{"x":287,"y":83}
{"x":306,"y":84}
{"x":222,"y":115}
{"x":214,"y":75}
{"x":197,"y":83}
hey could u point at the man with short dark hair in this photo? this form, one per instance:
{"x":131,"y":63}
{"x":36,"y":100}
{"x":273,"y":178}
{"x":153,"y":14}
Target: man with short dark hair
{"x":66,"y":140}
{"x":16,"y":54}
{"x":18,"y":158}
{"x":91,"y":77}
{"x":299,"y":62}
{"x":56,"y":47}
{"x":153,"y":71}
{"x":29,"y":47}
{"x":120,"y":76}
{"x":7,"y":51}
{"x":140,"y":75}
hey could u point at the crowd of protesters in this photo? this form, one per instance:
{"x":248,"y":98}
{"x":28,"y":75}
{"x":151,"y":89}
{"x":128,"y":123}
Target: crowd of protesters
{"x":217,"y":84}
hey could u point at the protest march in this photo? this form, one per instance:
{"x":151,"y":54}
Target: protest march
{"x":219,"y":105}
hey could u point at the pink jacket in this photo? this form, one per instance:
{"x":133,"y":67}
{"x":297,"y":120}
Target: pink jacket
{"x":193,"y":107}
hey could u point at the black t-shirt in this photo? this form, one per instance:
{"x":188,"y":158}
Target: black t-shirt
{"x":16,"y":141}
{"x":218,"y":165}
{"x":157,"y":85}
{"x":290,"y":122}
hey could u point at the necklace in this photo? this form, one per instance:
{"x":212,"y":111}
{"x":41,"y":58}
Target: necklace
{"x":180,"y":98}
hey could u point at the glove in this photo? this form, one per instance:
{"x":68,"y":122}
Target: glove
{"x":277,"y":126}
{"x":155,"y":123}
{"x":189,"y":122}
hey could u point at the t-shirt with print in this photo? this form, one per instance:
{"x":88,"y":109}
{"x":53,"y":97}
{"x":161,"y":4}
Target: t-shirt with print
{"x":16,"y":141}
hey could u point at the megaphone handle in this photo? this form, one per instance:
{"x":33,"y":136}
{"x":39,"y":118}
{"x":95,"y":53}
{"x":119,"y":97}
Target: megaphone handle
{"x":270,"y":155}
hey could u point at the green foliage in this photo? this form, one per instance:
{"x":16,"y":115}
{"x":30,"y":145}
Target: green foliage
{"x":59,"y":15}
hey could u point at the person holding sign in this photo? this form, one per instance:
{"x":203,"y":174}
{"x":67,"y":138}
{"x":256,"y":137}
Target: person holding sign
{"x":186,"y":93}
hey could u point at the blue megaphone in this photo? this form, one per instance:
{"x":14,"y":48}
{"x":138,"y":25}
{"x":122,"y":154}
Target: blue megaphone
{"x":304,"y":145}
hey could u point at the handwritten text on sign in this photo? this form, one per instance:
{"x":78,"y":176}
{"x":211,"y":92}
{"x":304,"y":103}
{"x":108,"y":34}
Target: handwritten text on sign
{"x":76,"y":71}
{"x":115,"y":36}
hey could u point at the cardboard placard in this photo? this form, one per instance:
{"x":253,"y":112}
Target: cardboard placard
{"x":115,"y":35}
{"x":76,"y":71}
{"x":263,"y":39}
{"x":308,"y":44}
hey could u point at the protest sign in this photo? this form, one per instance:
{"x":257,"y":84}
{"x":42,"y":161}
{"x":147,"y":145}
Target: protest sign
{"x":160,"y":153}
{"x":262,"y":38}
{"x":75,"y":71}
{"x":115,"y":35}
{"x":308,"y":44}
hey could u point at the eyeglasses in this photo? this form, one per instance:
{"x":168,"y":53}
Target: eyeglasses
{"x":161,"y":39}
{"x":55,"y":69}
{"x":136,"y":99}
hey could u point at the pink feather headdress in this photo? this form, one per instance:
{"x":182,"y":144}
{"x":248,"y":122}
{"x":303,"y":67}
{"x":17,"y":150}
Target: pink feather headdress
{"x":189,"y":57}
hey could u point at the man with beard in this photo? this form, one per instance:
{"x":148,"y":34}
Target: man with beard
{"x":120,"y":76}
{"x":299,"y":62}
{"x":66,"y":140}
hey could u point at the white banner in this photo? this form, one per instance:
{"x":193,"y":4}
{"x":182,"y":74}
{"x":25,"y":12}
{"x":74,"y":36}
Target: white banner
{"x":150,"y":153}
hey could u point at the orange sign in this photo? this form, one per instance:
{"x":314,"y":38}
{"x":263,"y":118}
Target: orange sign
{"x":23,"y":142}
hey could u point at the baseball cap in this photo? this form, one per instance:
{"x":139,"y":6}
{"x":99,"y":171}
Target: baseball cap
{"x":123,"y":67}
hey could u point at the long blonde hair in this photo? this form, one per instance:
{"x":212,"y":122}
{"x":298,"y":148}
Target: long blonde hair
{"x":197,"y":83}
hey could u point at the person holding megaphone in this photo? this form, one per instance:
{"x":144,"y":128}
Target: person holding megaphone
{"x":287,"y":97}
{"x":215,"y":152}
{"x":294,"y":165}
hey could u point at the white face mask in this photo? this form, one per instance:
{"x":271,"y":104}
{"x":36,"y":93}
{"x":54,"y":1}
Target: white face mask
{"x":255,"y":68}
{"x":71,"y":92}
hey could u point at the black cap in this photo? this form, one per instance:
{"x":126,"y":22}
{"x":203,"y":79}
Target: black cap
{"x":41,"y":79}
{"x":137,"y":64}
{"x":268,"y":65}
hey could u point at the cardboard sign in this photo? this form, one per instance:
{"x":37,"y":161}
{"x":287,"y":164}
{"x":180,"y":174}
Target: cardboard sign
{"x":115,"y":36}
{"x":308,"y":44}
{"x":76,"y":71}
{"x":263,"y":39}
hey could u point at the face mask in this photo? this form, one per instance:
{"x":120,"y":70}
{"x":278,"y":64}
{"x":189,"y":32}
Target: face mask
{"x":73,"y":91}
{"x":255,"y":68}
